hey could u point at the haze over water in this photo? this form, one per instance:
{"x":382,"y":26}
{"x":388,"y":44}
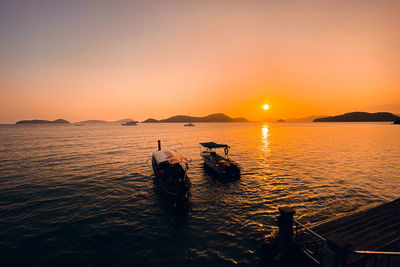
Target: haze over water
{"x":79,"y":196}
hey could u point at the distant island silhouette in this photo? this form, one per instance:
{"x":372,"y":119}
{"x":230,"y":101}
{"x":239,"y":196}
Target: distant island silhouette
{"x":93,"y":121}
{"x":151,"y":120}
{"x":65,"y":121}
{"x":103,"y":121}
{"x":360,"y":117}
{"x":58,"y":121}
{"x":216,"y":117}
{"x":125,"y":120}
{"x":302,"y":119}
{"x":306,"y":119}
{"x":221,"y":117}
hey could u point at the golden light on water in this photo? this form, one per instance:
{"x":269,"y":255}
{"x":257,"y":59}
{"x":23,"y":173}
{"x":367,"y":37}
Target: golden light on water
{"x":265,"y":138}
{"x":115,"y":72}
{"x":265,"y":131}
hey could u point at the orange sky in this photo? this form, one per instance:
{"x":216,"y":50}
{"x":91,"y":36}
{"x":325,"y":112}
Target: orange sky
{"x":138,"y":60}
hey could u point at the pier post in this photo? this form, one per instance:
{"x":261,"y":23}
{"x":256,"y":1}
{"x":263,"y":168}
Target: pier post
{"x":159,"y":144}
{"x":285,"y":224}
{"x":280,"y":249}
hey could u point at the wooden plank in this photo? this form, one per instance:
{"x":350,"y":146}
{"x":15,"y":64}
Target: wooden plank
{"x":374,"y":229}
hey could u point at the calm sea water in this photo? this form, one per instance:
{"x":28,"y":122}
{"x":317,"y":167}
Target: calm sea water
{"x":86,"y":196}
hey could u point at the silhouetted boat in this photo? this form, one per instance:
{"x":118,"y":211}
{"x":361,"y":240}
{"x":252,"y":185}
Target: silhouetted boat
{"x":170,"y":169}
{"x":129,"y":123}
{"x":189,"y":123}
{"x":221,"y":165}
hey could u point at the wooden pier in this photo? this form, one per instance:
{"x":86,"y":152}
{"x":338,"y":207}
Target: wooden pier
{"x":369,"y":237}
{"x":374,"y":229}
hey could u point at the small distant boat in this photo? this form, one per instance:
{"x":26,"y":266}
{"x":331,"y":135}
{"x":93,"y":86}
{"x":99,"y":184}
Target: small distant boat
{"x":170,"y":169}
{"x":129,"y":123}
{"x":219,"y":164}
{"x":189,"y":123}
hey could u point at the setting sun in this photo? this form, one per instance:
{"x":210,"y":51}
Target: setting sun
{"x":134,"y":74}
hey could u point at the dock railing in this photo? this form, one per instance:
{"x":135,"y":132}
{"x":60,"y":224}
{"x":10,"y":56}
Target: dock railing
{"x":375,"y":258}
{"x":311,"y":243}
{"x":316,"y":248}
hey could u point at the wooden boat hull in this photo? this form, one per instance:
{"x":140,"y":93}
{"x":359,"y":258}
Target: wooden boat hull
{"x":178,"y":192}
{"x":222,"y":166}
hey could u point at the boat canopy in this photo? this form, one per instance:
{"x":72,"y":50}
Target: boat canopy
{"x":170,"y":156}
{"x":211,"y":145}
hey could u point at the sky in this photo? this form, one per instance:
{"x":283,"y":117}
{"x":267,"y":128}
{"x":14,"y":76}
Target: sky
{"x":80,"y":60}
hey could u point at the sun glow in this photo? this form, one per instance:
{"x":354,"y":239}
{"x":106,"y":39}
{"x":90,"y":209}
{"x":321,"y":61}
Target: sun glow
{"x":265,"y":138}
{"x":266,"y":107}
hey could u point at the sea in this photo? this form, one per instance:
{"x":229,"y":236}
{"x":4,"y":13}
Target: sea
{"x":86,"y":195}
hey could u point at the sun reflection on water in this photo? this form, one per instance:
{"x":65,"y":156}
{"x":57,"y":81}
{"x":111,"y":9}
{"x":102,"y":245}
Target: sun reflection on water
{"x":265,"y":138}
{"x":103,"y":172}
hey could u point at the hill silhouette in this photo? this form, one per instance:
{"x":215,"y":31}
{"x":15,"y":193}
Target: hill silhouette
{"x":302,"y":119}
{"x":58,"y":121}
{"x":124,"y":120}
{"x":216,"y":117}
{"x":93,"y":121}
{"x":306,"y":119}
{"x":360,"y":117}
{"x":103,"y":121}
{"x":151,"y":120}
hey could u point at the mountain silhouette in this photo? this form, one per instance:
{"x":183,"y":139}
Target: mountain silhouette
{"x":103,"y":121}
{"x":360,"y":117}
{"x":58,"y":121}
{"x":216,"y":117}
{"x":306,"y":119}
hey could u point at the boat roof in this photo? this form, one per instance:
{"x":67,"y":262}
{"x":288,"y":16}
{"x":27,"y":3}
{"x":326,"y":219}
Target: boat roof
{"x":170,"y":156}
{"x":213,"y":145}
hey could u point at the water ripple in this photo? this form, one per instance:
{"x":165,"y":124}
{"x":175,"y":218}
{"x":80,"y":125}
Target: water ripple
{"x":87,"y":196}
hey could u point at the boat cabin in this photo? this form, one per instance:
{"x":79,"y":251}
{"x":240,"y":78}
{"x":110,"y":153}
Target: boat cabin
{"x":220,"y":164}
{"x":170,"y":169}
